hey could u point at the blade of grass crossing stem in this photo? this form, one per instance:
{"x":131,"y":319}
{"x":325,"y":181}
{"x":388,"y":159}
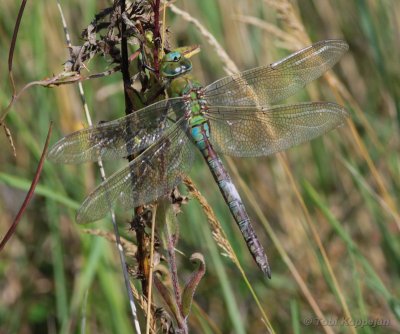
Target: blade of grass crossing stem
{"x":57,"y":190}
{"x":47,"y":192}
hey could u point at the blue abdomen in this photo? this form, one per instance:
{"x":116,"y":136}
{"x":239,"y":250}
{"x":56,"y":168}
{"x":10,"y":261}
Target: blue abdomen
{"x":200,"y":135}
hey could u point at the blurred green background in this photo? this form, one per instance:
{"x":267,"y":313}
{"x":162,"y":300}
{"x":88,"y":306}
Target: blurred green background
{"x":326,"y":212}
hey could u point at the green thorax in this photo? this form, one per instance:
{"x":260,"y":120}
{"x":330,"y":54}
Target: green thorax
{"x":183,"y":85}
{"x":175,"y":68}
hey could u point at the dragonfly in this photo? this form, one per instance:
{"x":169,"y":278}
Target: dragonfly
{"x":238,"y":115}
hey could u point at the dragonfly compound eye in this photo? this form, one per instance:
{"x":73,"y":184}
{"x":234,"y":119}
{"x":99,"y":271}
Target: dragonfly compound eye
{"x":174,"y":64}
{"x":173,"y":56}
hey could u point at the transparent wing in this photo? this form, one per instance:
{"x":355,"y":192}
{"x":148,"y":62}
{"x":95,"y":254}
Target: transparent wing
{"x":270,"y":84}
{"x":151,"y":175}
{"x":121,"y":137}
{"x":258,"y":131}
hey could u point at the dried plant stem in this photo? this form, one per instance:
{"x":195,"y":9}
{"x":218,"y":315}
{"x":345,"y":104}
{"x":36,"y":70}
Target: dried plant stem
{"x":103,"y":176}
{"x":156,"y":35}
{"x":129,"y":247}
{"x":288,"y":14}
{"x":149,"y":296}
{"x":291,"y":42}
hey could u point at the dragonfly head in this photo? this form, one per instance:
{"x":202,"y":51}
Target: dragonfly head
{"x":174,"y":64}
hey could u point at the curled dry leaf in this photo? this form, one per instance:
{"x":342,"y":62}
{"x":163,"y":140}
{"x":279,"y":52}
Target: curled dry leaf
{"x":191,"y":285}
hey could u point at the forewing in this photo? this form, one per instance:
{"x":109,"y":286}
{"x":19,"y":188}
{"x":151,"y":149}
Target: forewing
{"x":151,"y":175}
{"x":270,"y":84}
{"x":119,"y":138}
{"x":259,"y":131}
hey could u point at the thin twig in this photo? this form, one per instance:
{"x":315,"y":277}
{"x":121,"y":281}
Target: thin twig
{"x":10,"y":60}
{"x":125,"y":64}
{"x":29,"y":195}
